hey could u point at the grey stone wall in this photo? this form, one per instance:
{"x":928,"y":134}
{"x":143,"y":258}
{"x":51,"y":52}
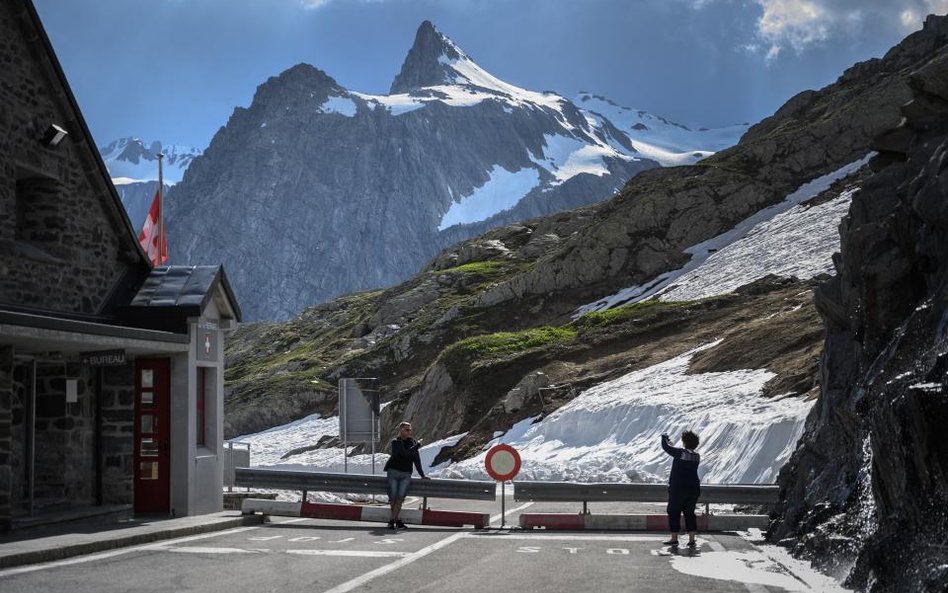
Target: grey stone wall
{"x":65,"y":438}
{"x":61,"y":244}
{"x":6,"y":399}
{"x":64,"y":469}
{"x":118,"y":428}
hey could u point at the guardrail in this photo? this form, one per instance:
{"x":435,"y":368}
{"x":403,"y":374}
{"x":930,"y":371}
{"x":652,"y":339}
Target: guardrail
{"x":363,"y":484}
{"x":755,"y":494}
{"x":236,"y":454}
{"x":280,"y":479}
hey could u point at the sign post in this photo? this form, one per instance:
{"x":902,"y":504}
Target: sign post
{"x":502,"y":463}
{"x":359,"y":407}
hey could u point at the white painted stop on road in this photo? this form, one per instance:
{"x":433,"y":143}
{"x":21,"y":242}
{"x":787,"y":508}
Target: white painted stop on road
{"x":502,"y":462}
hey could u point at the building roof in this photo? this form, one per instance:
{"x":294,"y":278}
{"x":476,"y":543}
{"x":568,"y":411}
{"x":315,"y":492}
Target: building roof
{"x":187,"y":290}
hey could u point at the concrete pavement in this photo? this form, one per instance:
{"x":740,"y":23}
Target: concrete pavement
{"x":57,"y":542}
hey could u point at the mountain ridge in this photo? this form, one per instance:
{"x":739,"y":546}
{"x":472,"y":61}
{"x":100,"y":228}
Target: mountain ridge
{"x":440,"y":163}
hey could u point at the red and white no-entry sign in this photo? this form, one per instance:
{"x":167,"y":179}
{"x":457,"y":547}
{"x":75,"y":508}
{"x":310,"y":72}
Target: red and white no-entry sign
{"x":503,"y":462}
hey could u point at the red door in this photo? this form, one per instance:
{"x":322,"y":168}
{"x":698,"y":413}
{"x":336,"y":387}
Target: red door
{"x":152,"y":434}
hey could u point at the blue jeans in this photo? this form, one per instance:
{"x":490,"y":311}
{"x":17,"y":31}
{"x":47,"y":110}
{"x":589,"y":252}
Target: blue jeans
{"x":398,"y":482}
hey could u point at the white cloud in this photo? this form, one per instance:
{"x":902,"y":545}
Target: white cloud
{"x":797,"y":23}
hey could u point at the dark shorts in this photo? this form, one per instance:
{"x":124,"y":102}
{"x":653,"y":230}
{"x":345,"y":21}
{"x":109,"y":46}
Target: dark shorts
{"x":398,"y":482}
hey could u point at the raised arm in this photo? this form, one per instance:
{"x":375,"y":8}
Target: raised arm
{"x":673,"y":451}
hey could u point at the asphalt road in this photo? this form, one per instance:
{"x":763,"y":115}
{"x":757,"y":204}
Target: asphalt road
{"x":334,"y":557}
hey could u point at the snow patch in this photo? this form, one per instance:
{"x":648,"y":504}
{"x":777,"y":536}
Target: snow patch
{"x":341,"y":105}
{"x":799,"y":243}
{"x":701,"y":252}
{"x":501,"y":191}
{"x":268,"y":446}
{"x":610,"y":432}
{"x":567,"y":156}
{"x":395,"y":104}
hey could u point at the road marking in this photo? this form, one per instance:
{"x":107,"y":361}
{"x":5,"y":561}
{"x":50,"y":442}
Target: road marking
{"x":592,"y":538}
{"x":342,"y":541}
{"x":365,"y":578}
{"x":119,"y":552}
{"x":520,"y":508}
{"x":200,"y":550}
{"x":353,"y":553}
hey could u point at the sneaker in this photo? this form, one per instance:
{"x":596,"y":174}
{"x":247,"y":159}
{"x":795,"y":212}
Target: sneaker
{"x":671,"y":542}
{"x":692,"y":544}
{"x":391,"y":524}
{"x":400,"y":525}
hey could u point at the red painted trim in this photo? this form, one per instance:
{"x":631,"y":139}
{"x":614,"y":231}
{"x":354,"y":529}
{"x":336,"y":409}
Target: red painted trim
{"x":345,"y":512}
{"x":552,"y":521}
{"x":490,"y":455}
{"x":656,"y":522}
{"x":454,"y":518}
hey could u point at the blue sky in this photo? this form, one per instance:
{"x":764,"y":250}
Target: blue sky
{"x":174,"y":70}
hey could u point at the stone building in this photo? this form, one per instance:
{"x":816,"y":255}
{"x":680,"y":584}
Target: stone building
{"x":111,"y":372}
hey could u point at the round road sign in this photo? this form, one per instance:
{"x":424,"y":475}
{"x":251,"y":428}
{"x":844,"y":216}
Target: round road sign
{"x":503,"y":462}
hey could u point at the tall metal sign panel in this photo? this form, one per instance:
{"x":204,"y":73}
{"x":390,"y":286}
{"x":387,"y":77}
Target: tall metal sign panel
{"x":359,"y":410}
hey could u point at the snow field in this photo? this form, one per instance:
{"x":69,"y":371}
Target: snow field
{"x":801,"y":243}
{"x":609,"y":433}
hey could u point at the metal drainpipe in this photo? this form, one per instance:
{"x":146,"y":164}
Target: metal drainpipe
{"x":31,"y":437}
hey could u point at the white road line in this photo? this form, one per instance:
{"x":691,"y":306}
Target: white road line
{"x":200,"y":550}
{"x":593,"y":538}
{"x":119,"y":552}
{"x":365,"y":578}
{"x":520,"y":508}
{"x":352,"y":553}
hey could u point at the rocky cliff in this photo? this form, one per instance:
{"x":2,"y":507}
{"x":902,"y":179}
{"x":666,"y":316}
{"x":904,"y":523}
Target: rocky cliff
{"x":349,"y":191}
{"x":866,"y":494}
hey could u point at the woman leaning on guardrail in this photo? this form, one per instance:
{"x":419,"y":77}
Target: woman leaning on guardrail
{"x":398,"y":468}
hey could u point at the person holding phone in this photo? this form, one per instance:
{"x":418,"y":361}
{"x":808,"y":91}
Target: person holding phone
{"x":684,"y":487}
{"x":398,"y":469}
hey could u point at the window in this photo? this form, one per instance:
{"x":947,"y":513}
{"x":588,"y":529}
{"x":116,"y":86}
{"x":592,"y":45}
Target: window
{"x":38,"y":216}
{"x":201,"y":404}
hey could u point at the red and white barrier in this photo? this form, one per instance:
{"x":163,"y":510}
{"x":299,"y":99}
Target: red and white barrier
{"x":565,"y":521}
{"x":354,"y":512}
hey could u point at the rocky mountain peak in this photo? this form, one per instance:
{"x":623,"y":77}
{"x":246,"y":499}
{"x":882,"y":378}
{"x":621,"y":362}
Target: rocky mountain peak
{"x":428,"y":61}
{"x":301,"y":80}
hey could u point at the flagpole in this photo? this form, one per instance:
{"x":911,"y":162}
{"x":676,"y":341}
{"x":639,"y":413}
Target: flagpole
{"x":161,"y":209}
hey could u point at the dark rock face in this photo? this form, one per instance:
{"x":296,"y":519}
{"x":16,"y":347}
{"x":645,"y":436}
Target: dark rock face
{"x":866,"y":494}
{"x":422,"y":67}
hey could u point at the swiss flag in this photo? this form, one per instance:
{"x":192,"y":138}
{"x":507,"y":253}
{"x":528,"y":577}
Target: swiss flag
{"x":148,"y":237}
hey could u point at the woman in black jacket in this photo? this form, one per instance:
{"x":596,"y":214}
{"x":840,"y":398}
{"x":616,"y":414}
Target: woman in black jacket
{"x":398,"y":469}
{"x":684,"y":486}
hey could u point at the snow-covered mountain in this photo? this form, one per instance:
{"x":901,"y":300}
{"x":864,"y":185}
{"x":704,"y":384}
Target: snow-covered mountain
{"x":657,"y":138}
{"x":353,"y":191}
{"x":132,"y":160}
{"x":133,"y":167}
